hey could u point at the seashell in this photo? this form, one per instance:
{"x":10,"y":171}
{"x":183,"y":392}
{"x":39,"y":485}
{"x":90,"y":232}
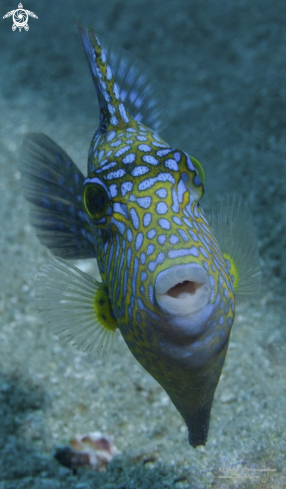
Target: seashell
{"x":90,"y":451}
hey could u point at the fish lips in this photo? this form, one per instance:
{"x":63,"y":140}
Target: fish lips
{"x":183,"y":290}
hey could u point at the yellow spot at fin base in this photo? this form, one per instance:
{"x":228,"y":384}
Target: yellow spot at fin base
{"x":103,"y":309}
{"x":233,"y":270}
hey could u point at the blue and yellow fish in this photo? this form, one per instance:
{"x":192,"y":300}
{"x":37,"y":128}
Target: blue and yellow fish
{"x":169,"y":279}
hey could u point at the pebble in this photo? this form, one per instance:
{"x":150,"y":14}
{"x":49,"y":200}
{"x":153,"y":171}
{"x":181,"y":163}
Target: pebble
{"x":227,"y":397}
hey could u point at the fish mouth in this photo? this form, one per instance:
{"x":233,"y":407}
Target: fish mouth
{"x":183,"y":289}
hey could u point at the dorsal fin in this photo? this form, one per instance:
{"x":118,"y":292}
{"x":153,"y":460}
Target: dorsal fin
{"x":138,"y":91}
{"x":112,"y":110}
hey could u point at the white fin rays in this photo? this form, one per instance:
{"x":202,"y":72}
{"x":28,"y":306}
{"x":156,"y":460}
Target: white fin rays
{"x":137,"y":91}
{"x":66,"y":299}
{"x":234,"y":231}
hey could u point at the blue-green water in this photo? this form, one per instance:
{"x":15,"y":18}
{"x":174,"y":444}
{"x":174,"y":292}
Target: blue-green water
{"x":221,"y":71}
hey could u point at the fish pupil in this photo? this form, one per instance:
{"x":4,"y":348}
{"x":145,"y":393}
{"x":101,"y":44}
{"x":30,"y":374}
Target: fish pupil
{"x":95,"y":201}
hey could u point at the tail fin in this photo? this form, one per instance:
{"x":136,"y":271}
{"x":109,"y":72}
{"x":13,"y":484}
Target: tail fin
{"x":112,"y":110}
{"x":53,"y":184}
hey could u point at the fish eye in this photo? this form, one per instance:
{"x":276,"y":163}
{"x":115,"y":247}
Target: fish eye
{"x":199,"y":169}
{"x":95,"y":200}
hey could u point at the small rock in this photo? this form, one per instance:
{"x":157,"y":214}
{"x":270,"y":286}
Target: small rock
{"x":227,"y":397}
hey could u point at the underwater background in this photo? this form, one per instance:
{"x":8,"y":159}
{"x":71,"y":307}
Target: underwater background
{"x":221,"y":72}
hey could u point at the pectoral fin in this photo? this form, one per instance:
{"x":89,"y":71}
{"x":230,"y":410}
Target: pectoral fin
{"x":76,"y":306}
{"x":234,"y":231}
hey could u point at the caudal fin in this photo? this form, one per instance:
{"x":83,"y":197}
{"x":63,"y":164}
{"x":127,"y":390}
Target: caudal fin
{"x":53,"y":184}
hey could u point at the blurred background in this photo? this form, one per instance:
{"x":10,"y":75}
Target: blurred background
{"x":220,"y":69}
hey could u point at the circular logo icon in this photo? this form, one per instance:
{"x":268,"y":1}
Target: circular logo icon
{"x":20,"y":18}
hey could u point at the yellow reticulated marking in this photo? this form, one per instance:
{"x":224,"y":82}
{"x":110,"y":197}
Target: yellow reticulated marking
{"x":103,"y":309}
{"x":234,"y":273}
{"x":199,"y":169}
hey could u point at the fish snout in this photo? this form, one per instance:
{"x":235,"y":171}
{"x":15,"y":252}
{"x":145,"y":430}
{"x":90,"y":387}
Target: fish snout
{"x":183,"y":289}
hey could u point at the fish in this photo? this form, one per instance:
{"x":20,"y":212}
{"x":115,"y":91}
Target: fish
{"x":170,"y":277}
